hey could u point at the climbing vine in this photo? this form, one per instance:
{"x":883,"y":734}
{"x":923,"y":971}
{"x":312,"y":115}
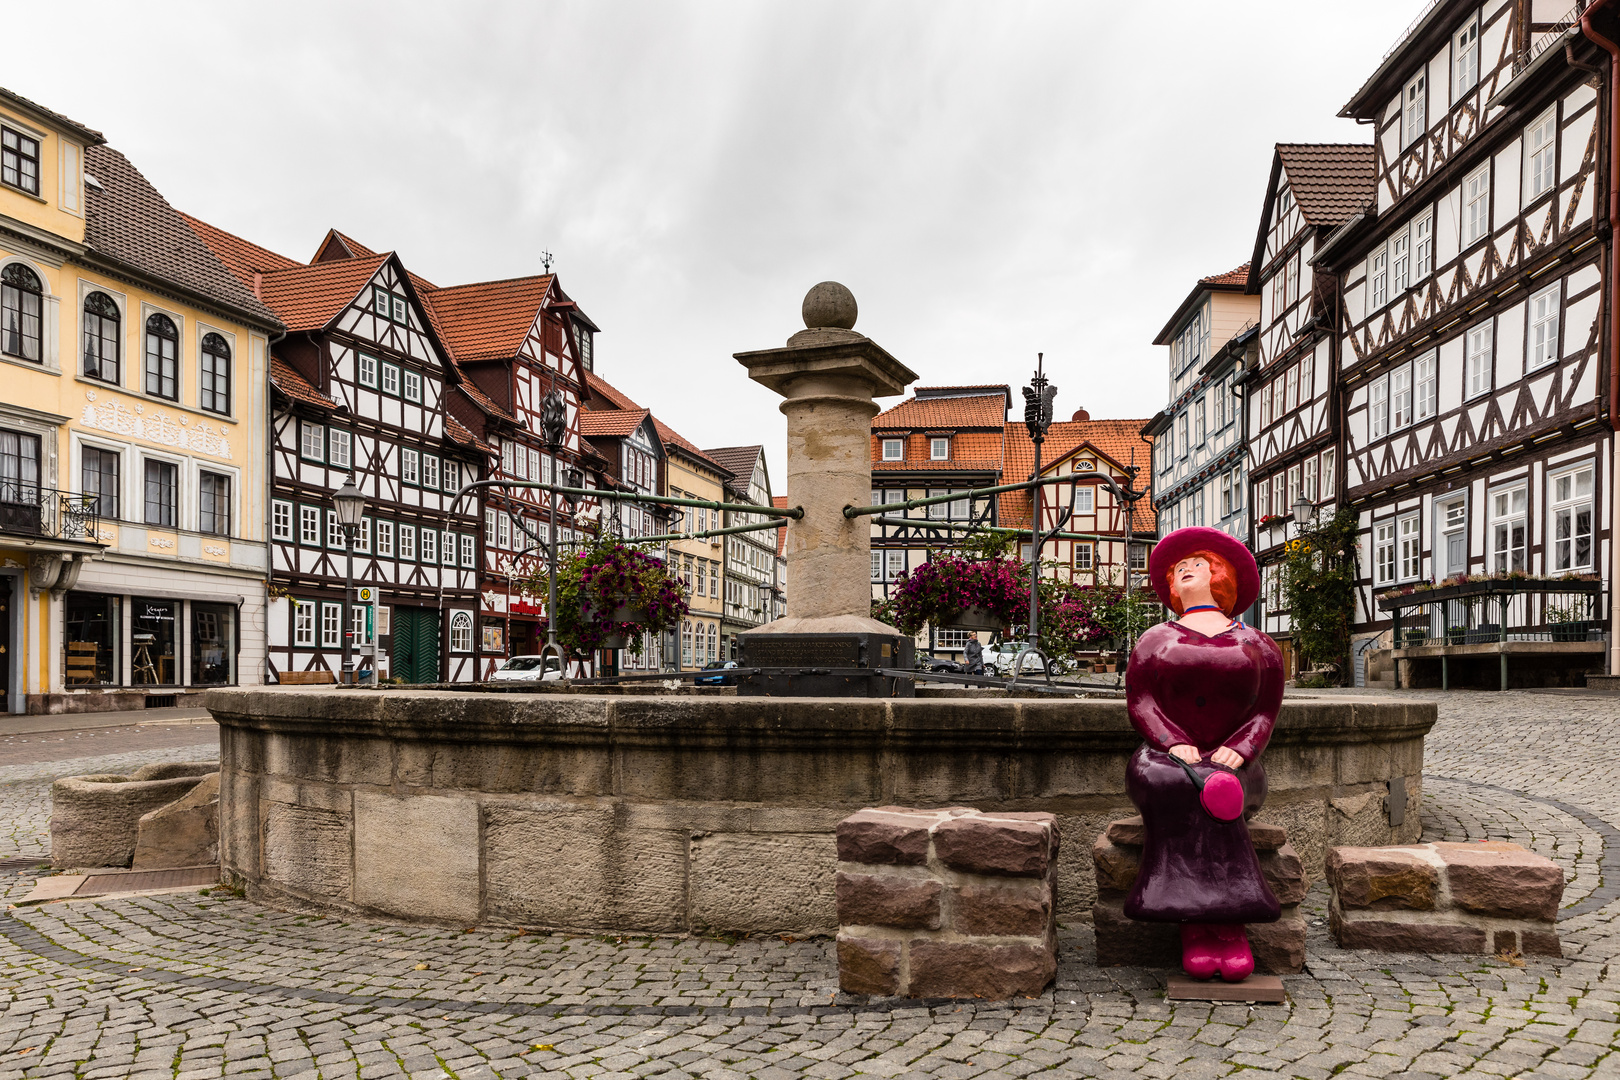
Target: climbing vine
{"x":1319,"y":573}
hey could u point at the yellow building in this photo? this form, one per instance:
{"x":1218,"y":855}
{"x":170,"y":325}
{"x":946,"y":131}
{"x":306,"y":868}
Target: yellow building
{"x":132,"y":435}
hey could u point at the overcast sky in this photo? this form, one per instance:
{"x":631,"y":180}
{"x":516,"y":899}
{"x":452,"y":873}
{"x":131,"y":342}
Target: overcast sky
{"x":991,"y":180}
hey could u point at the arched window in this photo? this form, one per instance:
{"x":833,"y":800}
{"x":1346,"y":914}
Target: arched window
{"x":20,"y":302}
{"x":461,"y":632}
{"x":214,"y":384}
{"x":162,"y":357}
{"x":101,"y":350}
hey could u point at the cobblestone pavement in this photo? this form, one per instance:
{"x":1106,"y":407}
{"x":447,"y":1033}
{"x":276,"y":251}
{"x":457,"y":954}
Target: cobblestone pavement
{"x":191,"y":985}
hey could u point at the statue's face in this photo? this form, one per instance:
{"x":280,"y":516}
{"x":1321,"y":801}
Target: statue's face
{"x":1192,"y":575}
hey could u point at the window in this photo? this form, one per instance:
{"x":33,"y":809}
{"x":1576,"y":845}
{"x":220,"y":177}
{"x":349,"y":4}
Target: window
{"x":1543,"y":327}
{"x":1226,"y":494}
{"x":1465,"y":59}
{"x":162,"y":357}
{"x":1330,"y":479}
{"x":154,"y":633}
{"x":430,"y":546}
{"x":367,"y":370}
{"x":1384,"y":552}
{"x":390,"y":379}
{"x":1400,"y":263}
{"x":466,"y":542}
{"x":1379,"y":408}
{"x":714,"y":579}
{"x":1508,"y":528}
{"x":385,"y":539}
{"x":1290,"y":385}
{"x":1198,"y":422}
{"x":461,"y":627}
{"x":1541,"y":150}
{"x":338,"y":447}
{"x":1285,"y":201}
{"x":1426,"y":388}
{"x":214,"y":378}
{"x":1183,"y":443}
{"x":447,"y":548}
{"x":1400,"y":397}
{"x":161,"y":491}
{"x":334,"y":532}
{"x":281,"y":518}
{"x":1237,"y":489}
{"x":1217,"y":399}
{"x":1416,"y":111}
{"x":101,"y":338}
{"x":1082,"y":556}
{"x":1411,"y":551}
{"x":303,"y":623}
{"x":19,"y":468}
{"x":1308,"y":487}
{"x":362,"y":536}
{"x":939,"y":449}
{"x":331,"y":626}
{"x":407,"y":543}
{"x":1423,"y":247}
{"x":1295,"y":479}
{"x":1085,"y":500}
{"x":19,"y":160}
{"x":400,"y":313}
{"x":380,"y":301}
{"x":1279,"y":294}
{"x":1378,"y":275}
{"x":357,"y":624}
{"x":1479,"y":359}
{"x":1477,"y":204}
{"x":489,"y":527}
{"x":214,"y":504}
{"x":1139,"y":554}
{"x":409,"y":466}
{"x":1571,"y":506}
{"x":430,"y":471}
{"x":20,"y":302}
{"x":894,"y":449}
{"x":452,"y":476}
{"x":309,"y":526}
{"x":311,"y":441}
{"x":413,"y":386}
{"x":99,"y":480}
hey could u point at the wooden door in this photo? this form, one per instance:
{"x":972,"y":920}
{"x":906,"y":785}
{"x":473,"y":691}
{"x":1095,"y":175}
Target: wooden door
{"x":416,"y":645}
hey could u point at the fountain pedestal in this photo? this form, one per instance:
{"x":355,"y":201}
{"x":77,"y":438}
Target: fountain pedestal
{"x":828,"y":644}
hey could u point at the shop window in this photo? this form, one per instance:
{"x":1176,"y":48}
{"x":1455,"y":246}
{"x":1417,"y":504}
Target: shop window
{"x":153,"y":642}
{"x":90,"y":624}
{"x":213,"y":644}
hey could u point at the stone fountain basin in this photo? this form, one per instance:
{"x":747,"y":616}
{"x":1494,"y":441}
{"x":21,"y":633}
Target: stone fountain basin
{"x":673,"y":814}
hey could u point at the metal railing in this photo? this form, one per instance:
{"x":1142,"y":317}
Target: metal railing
{"x":1545,"y":38}
{"x":30,"y":510}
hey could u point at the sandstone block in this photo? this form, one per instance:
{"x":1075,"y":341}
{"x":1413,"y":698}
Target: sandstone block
{"x":417,"y":856}
{"x":875,"y":900}
{"x":1279,"y":947}
{"x":308,"y":851}
{"x":1123,"y":941}
{"x":1264,"y":835}
{"x":95,"y":820}
{"x":183,"y":833}
{"x":1116,"y":864}
{"x":1382,"y":879}
{"x":1426,"y":936}
{"x":1018,"y":909}
{"x":941,"y":969}
{"x":761,"y":882}
{"x":1502,"y":880}
{"x":887,"y":837}
{"x":1285,"y":874}
{"x":1540,"y":943}
{"x":997,"y":845}
{"x":868,"y":966}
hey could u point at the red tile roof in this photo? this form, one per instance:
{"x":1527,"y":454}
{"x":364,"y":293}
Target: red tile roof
{"x":242,"y":258}
{"x":1332,"y":182}
{"x":487,"y":320}
{"x":309,"y":297}
{"x":970,"y":450}
{"x":610,"y":423}
{"x":1114,"y":439}
{"x":968,"y":411}
{"x":459,"y":433}
{"x":1238,"y":277}
{"x":295,"y":386}
{"x":619,"y":399}
{"x":484,"y":401}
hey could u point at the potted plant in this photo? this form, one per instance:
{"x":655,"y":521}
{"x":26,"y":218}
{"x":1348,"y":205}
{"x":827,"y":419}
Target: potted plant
{"x":1415,"y":636}
{"x":959,"y":593}
{"x":609,"y":595}
{"x":1456,"y":635}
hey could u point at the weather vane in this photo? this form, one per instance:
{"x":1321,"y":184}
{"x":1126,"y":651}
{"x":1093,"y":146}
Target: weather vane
{"x":546,"y":259}
{"x":1038,"y":401}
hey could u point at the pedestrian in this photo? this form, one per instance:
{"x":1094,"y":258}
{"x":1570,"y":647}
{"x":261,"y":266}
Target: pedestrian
{"x":975,"y":656}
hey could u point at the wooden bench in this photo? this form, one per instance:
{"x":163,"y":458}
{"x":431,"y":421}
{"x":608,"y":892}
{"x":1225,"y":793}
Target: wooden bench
{"x":305,"y":678}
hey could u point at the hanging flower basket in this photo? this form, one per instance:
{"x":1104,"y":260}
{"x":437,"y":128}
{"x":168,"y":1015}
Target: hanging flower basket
{"x":949,"y":590}
{"x":974,"y":619}
{"x":610,"y":596}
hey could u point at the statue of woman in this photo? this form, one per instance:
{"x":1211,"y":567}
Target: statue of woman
{"x":1203,"y":691}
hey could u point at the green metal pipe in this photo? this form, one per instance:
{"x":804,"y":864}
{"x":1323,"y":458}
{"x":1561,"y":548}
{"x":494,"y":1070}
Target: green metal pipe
{"x":794,"y":512}
{"x":929,"y":523}
{"x":973,"y":493}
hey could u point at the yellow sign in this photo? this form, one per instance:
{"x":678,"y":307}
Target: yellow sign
{"x":367,"y":594}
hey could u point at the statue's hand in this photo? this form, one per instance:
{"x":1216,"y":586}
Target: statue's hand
{"x":1228,"y":757}
{"x":1186,"y":752}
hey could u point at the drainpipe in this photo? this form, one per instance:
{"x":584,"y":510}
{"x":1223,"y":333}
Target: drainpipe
{"x":1613,"y":50}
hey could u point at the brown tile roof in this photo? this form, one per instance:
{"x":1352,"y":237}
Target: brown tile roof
{"x":978,"y":411}
{"x":295,"y":386}
{"x":458,"y":433}
{"x":335,"y":245}
{"x":1114,"y":439}
{"x":979,"y":465}
{"x":1237,"y":277}
{"x":780,"y":502}
{"x":610,"y":423}
{"x":243,"y":258}
{"x":309,"y":297}
{"x":1233,"y":279}
{"x":619,"y":399}
{"x":90,"y":135}
{"x":1332,"y":182}
{"x":738,"y":461}
{"x":484,"y":401}
{"x":487,"y":320}
{"x":129,"y":223}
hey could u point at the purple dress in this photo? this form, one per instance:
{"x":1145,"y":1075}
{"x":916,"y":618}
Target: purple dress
{"x":1209,"y":692}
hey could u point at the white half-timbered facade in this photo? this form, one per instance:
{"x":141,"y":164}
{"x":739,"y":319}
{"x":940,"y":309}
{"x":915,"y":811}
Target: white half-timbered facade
{"x":1121,"y":539}
{"x":1292,"y":404}
{"x":1474,"y":355}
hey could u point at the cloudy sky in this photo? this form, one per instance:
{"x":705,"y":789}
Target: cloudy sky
{"x":991,"y":180}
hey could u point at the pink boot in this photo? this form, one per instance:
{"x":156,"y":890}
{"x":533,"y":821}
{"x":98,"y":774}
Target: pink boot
{"x":1230,"y":946}
{"x":1199,"y":955}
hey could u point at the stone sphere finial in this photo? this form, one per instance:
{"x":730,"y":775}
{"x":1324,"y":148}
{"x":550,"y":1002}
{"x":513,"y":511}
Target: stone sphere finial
{"x":829,"y":306}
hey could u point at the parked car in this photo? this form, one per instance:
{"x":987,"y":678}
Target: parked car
{"x":999,"y":659}
{"x":939,"y":665}
{"x":529,"y":669}
{"x":722,"y":676}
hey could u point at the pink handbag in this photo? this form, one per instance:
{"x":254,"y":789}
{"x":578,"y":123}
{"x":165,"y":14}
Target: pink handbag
{"x":1220,"y":793}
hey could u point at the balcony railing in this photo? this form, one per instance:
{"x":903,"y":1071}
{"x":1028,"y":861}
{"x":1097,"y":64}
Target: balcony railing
{"x":30,"y":510}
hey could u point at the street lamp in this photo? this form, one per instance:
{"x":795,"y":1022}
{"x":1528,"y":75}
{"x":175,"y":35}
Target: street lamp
{"x":349,"y":504}
{"x":1304,"y":511}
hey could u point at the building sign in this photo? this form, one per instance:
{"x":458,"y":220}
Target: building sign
{"x":183,"y":433}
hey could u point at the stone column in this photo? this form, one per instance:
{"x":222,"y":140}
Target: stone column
{"x":828,"y":375}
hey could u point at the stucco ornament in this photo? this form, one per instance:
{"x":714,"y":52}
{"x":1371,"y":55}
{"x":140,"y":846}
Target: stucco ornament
{"x":1204,"y":693}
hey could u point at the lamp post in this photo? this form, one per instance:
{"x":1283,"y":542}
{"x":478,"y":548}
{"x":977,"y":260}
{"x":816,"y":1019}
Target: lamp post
{"x":350,"y":504}
{"x":553,"y":426}
{"x":1304,"y":511}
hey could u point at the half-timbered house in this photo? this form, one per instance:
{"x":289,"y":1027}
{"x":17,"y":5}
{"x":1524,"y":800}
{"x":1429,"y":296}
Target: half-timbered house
{"x":360,"y":390}
{"x":751,"y":587}
{"x":1477,"y":398}
{"x":1198,"y":439}
{"x":1292,"y":415}
{"x":628,"y":440}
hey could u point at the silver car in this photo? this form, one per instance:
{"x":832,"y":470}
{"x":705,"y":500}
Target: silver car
{"x":529,"y":669}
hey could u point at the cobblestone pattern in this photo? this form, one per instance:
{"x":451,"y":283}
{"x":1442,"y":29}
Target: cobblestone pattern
{"x":185,"y":985}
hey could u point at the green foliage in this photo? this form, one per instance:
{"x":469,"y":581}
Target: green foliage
{"x":599,"y":579}
{"x":1319,"y":573}
{"x":989,"y":545}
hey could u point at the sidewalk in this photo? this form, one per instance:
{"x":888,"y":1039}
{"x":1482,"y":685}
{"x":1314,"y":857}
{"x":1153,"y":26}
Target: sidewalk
{"x":30,"y":725}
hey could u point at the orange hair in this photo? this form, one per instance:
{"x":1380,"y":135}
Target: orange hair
{"x":1222,"y":582}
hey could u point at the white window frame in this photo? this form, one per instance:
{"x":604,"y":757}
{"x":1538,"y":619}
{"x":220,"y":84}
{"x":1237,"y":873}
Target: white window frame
{"x":407,"y":543}
{"x":410,"y":385}
{"x":1561,"y":551}
{"x":451,"y":476}
{"x":894,"y":449}
{"x":1400,"y":397}
{"x":1384,"y":551}
{"x":1378,"y":408}
{"x":1422,"y":246}
{"x":939,"y":449}
{"x":430,"y":472}
{"x":362,"y":537}
{"x":331,"y":625}
{"x":334,"y":532}
{"x":1378,"y":279}
{"x":1541,"y":155}
{"x":1083,"y":556}
{"x":427,"y":547}
{"x":357,"y":623}
{"x":461,"y":632}
{"x":1465,"y":59}
{"x":311,"y":441}
{"x":1415,"y":109}
{"x":303,"y":624}
{"x":339,"y":448}
{"x":468,"y":559}
{"x":1541,"y":342}
{"x":281,"y":520}
{"x":1400,"y":262}
{"x":385,"y":539}
{"x":390,"y":379}
{"x":1480,"y":353}
{"x":1426,"y":385}
{"x":447,"y":548}
{"x":366,"y":370}
{"x":410,"y":466}
{"x":1409,"y":534}
{"x":1477,"y":205}
{"x":309,"y":526}
{"x":1085,"y":499}
{"x":1506,"y":556}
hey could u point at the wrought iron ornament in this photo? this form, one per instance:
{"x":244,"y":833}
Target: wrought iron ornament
{"x":1038,"y":401}
{"x":553,"y":420}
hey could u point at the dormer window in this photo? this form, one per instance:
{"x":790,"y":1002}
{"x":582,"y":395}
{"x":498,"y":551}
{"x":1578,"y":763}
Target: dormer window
{"x":19,"y":160}
{"x":894,"y":449}
{"x":1416,"y":110}
{"x":939,"y":449}
{"x":1285,"y":201}
{"x":389,"y":305}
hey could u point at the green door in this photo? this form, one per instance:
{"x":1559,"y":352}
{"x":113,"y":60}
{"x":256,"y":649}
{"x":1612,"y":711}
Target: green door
{"x":416,"y":645}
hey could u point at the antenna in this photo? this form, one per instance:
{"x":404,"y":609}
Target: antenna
{"x":546,"y":259}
